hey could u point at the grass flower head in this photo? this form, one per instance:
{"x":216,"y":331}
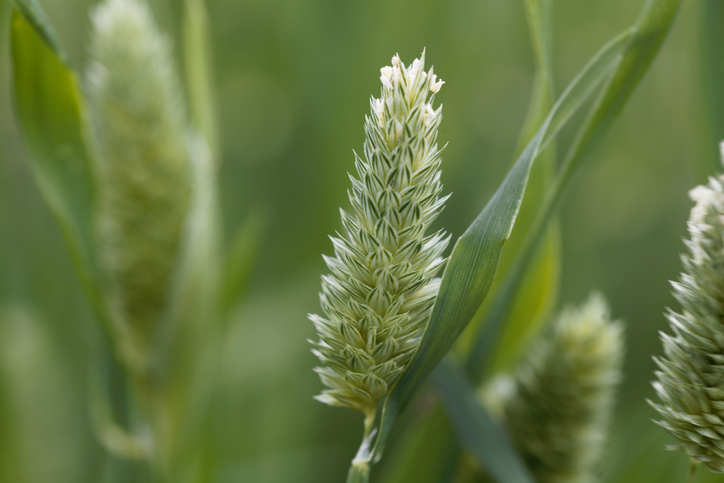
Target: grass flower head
{"x":378,"y":296}
{"x":559,"y":406}
{"x":139,"y":123}
{"x":690,"y":379}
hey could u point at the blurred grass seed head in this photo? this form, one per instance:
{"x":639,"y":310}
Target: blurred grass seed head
{"x":382,"y":285}
{"x":139,"y":123}
{"x":558,"y":406}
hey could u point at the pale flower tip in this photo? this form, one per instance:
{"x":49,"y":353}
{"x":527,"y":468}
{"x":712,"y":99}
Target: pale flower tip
{"x":415,"y":68}
{"x":386,"y":81}
{"x":386,"y":71}
{"x":379,"y":107}
{"x":396,"y":60}
{"x":721,"y":150}
{"x":436,"y":86}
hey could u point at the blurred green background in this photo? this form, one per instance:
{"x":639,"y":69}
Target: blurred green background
{"x":293,"y":82}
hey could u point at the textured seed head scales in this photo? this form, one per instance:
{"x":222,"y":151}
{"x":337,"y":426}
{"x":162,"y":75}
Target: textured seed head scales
{"x":378,"y":296}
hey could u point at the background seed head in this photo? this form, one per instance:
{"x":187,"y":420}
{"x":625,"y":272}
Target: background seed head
{"x":690,"y":379}
{"x":139,"y":124}
{"x":558,"y":406}
{"x":378,"y":296}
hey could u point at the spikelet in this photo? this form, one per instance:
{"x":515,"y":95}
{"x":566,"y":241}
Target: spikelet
{"x":139,"y":124}
{"x":558,"y":407}
{"x":690,"y":379}
{"x":378,"y":297}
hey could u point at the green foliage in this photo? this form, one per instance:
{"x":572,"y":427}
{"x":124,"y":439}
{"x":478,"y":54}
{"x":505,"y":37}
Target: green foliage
{"x":159,"y":235}
{"x":199,"y":74}
{"x":51,"y":113}
{"x":476,"y":430}
{"x":712,"y":76}
{"x":290,"y":77}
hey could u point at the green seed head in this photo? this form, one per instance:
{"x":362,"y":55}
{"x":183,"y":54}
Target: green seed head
{"x":378,"y":296}
{"x":690,"y":379}
{"x":139,"y":124}
{"x":558,"y":407}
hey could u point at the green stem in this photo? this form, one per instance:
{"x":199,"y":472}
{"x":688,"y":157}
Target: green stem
{"x":359,"y":470}
{"x":693,"y":465}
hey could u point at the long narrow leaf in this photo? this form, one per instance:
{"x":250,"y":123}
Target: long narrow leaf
{"x":199,"y":74}
{"x":537,"y":293}
{"x":241,"y":257}
{"x":648,"y":35}
{"x":51,"y":114}
{"x":476,"y":431}
{"x":712,"y":79}
{"x":474,"y":259}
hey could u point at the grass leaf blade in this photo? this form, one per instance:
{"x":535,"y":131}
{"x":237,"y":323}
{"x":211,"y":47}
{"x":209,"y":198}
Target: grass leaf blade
{"x":50,"y":109}
{"x":641,"y":46}
{"x":199,"y":74}
{"x":476,"y":431}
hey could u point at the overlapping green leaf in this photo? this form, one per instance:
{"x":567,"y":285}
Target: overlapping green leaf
{"x":51,"y":114}
{"x":537,"y":292}
{"x":647,"y":36}
{"x":241,"y":257}
{"x":712,"y":79}
{"x":476,"y":431}
{"x":199,"y":74}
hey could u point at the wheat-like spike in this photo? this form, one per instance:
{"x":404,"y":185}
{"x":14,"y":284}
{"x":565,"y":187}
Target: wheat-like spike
{"x":558,"y":407}
{"x":378,"y":296}
{"x":139,"y":124}
{"x":690,"y":376}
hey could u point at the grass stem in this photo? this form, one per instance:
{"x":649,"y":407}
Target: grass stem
{"x":693,"y":465}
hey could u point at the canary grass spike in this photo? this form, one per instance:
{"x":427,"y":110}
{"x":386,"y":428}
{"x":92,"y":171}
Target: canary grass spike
{"x":690,"y":376}
{"x":139,"y":124}
{"x":377,"y":299}
{"x":558,"y":406}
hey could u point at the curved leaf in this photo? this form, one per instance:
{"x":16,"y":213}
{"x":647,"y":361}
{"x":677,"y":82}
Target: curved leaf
{"x":475,"y":429}
{"x":199,"y":74}
{"x":51,"y":114}
{"x":647,"y":36}
{"x":538,"y":290}
{"x":712,"y":78}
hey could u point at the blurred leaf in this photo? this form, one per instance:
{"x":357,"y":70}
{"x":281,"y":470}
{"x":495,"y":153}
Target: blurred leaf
{"x":427,"y":446}
{"x":537,"y":292}
{"x":242,"y":255}
{"x":475,"y":256}
{"x":712,"y":80}
{"x":649,"y":33}
{"x":187,"y":347}
{"x":476,"y":431}
{"x":647,"y":36}
{"x":44,"y":437}
{"x":35,"y":16}
{"x":51,"y":114}
{"x":199,"y":74}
